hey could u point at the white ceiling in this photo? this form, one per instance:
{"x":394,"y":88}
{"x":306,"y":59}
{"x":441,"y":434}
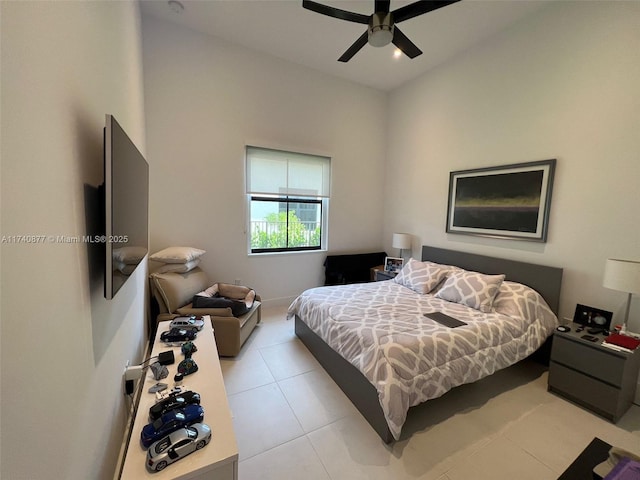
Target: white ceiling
{"x":284,"y":29}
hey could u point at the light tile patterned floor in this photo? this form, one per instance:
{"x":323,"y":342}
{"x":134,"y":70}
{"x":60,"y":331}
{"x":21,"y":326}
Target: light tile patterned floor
{"x":292,"y":422}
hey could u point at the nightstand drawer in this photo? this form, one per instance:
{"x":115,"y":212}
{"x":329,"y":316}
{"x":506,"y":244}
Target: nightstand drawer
{"x":599,"y":364}
{"x":583,"y":389}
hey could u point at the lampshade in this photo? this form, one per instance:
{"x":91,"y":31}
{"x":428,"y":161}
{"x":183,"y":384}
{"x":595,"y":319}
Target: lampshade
{"x":401,"y":241}
{"x":621,"y":275}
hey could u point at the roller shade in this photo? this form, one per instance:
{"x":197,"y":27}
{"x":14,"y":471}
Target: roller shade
{"x":276,"y":172}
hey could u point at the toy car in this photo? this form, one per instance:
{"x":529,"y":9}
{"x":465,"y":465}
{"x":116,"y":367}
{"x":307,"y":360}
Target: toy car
{"x":170,"y":422}
{"x":178,"y":335}
{"x":191,"y":322}
{"x":177,"y":445}
{"x":173,"y":401}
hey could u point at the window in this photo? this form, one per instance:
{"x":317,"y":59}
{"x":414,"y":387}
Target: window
{"x":288,"y":196}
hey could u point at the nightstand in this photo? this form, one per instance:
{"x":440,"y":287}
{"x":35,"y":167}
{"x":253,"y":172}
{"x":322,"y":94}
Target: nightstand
{"x":382,"y":275}
{"x":593,"y":376}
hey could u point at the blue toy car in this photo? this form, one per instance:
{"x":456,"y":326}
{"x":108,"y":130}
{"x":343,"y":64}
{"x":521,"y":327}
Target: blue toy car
{"x":170,"y":422}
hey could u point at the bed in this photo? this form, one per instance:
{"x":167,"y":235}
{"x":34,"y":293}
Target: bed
{"x":378,"y":345}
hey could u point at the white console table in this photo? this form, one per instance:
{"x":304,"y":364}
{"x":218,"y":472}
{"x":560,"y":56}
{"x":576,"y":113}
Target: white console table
{"x":219,"y":459}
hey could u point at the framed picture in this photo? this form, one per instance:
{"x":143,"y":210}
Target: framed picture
{"x":512,"y":201}
{"x":592,"y":317}
{"x":393,"y":264}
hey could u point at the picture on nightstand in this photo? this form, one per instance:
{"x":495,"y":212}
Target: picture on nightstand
{"x":393,"y":264}
{"x":592,"y":317}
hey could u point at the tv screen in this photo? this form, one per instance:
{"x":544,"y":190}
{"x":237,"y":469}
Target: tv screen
{"x":126,"y":182}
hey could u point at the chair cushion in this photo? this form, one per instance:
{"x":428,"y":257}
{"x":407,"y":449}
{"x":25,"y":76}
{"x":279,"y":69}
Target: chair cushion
{"x":214,"y":312}
{"x":177,"y":289}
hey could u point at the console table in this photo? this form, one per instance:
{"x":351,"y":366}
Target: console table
{"x":219,"y":459}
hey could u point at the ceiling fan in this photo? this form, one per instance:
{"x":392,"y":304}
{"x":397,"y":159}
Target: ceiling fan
{"x":382,"y":29}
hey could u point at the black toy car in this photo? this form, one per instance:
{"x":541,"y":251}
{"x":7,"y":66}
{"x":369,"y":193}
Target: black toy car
{"x":178,"y":335}
{"x":175,"y":400}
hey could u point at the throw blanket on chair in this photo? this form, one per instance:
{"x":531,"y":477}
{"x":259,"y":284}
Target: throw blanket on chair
{"x":222,"y":295}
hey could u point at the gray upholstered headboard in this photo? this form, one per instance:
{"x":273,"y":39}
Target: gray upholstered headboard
{"x":545,"y":280}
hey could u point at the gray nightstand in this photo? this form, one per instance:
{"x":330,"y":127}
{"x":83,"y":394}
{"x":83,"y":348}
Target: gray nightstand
{"x":596,"y":377}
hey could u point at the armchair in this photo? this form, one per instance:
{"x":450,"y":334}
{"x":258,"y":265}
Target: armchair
{"x":173,"y":293}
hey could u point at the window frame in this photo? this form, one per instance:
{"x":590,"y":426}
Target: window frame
{"x":288,"y":190}
{"x":290,"y":199}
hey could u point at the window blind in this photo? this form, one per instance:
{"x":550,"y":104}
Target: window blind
{"x":276,"y":172}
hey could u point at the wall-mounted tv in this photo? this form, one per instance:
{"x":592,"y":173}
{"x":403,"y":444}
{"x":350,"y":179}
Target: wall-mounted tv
{"x":126,"y":191}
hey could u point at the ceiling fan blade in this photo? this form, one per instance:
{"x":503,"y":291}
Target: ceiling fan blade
{"x":353,"y":49}
{"x":335,"y":12}
{"x":418,"y":8}
{"x":401,"y":41}
{"x":382,"y":6}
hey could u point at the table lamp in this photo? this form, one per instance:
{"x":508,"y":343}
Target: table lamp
{"x":401,"y":241}
{"x":623,"y":275}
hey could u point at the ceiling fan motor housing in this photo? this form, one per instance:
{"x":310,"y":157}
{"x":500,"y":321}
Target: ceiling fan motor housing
{"x":380,"y":29}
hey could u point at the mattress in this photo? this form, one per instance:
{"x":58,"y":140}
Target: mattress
{"x":409,"y":358}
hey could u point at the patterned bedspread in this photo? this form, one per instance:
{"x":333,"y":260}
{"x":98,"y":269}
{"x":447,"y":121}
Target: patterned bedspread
{"x":381,"y":329}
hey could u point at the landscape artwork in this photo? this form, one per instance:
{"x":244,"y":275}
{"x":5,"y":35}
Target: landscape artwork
{"x":511,"y":201}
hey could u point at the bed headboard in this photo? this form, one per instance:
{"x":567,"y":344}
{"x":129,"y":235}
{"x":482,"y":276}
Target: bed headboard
{"x":545,"y":280}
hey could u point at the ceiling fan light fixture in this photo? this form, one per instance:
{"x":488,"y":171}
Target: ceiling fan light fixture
{"x":380,"y":30}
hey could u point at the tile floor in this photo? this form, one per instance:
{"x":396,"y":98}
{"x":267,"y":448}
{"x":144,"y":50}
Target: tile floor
{"x":293,"y":422}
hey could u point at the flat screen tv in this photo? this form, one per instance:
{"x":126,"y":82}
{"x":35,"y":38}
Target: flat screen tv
{"x":126,"y":195}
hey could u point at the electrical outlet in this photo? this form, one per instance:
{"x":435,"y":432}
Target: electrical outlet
{"x":237,"y":281}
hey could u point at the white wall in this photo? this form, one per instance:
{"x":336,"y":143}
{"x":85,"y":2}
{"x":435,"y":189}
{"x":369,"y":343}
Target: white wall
{"x":64,"y":347}
{"x":561,"y":84}
{"x":205,"y":100}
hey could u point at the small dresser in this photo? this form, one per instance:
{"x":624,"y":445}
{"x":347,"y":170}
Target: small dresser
{"x":591,"y":375}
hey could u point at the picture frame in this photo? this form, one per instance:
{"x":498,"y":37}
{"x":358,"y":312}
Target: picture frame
{"x":510,"y":201}
{"x":393,"y":264}
{"x":592,"y":317}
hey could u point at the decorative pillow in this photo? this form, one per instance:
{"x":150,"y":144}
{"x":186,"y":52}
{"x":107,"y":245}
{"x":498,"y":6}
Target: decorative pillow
{"x":421,"y":277}
{"x":179,"y":267}
{"x":473,"y":289}
{"x":129,"y":255}
{"x":177,"y":255}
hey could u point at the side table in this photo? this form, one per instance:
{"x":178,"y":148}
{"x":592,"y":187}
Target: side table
{"x":591,"y":375}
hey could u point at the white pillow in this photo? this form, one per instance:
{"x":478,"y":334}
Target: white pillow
{"x":179,"y":267}
{"x":177,"y":255}
{"x":473,"y":289}
{"x":421,"y":277}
